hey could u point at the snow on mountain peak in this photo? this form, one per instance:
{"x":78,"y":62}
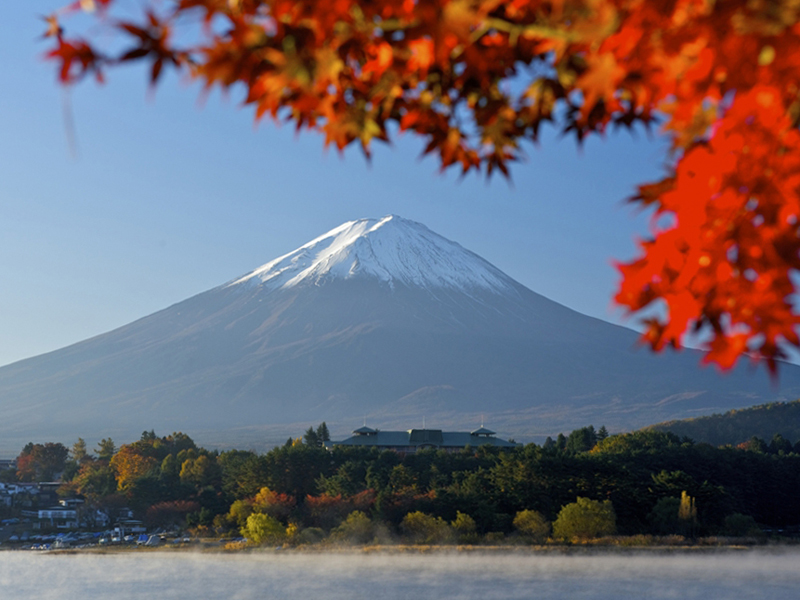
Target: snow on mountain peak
{"x":391,"y":249}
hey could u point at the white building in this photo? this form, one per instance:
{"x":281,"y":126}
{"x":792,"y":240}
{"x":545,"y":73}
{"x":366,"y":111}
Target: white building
{"x":58,"y":517}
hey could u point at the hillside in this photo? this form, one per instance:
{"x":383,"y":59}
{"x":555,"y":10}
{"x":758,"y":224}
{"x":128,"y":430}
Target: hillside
{"x":739,"y":425}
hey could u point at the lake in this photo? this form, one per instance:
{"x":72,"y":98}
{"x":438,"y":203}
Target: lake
{"x":742,"y":574}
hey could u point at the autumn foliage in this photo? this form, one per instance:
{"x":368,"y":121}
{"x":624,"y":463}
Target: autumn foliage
{"x":41,"y":462}
{"x":131,"y":463}
{"x":475,"y":78}
{"x":170,"y":514}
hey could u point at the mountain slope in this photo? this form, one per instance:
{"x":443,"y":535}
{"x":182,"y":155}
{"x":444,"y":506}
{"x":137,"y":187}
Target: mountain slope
{"x":379,"y":318}
{"x":737,"y":426}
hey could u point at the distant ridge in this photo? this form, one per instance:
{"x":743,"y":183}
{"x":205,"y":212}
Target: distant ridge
{"x":381,"y":318}
{"x":737,"y":426}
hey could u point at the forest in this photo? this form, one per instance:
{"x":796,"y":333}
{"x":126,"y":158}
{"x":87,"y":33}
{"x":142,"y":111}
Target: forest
{"x":582,"y":485}
{"x":738,"y":426}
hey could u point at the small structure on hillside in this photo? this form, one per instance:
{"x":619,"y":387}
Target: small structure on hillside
{"x":412,"y":440}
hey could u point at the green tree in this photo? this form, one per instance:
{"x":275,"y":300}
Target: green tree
{"x":402,"y":478}
{"x":779,"y":445}
{"x":77,"y":456}
{"x":170,"y":469}
{"x":663,"y":519}
{"x":202,"y":518}
{"x":670,"y":483}
{"x":357,"y":528}
{"x":322,"y":433}
{"x":295,"y":469}
{"x":756,"y":444}
{"x":380,"y":469}
{"x":465,"y":528}
{"x":186,"y":454}
{"x":581,"y":440}
{"x":639,"y":441}
{"x":311,"y":438}
{"x":263,"y":529}
{"x":532,"y":525}
{"x":740,"y":525}
{"x":317,"y":437}
{"x":243,"y":473}
{"x":585,"y":518}
{"x":178,"y":441}
{"x":422,"y":528}
{"x":348,"y":480}
{"x":106,"y":449}
{"x":95,"y":481}
{"x":78,"y":453}
{"x":201,"y":472}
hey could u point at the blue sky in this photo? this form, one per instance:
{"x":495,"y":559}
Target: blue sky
{"x":165,"y":199}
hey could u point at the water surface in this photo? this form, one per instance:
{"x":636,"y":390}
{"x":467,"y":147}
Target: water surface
{"x":468,"y":576}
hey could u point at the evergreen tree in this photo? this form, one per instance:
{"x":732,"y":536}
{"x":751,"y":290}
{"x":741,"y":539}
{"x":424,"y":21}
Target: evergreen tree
{"x":323,"y":434}
{"x":311,"y":438}
{"x":106,"y":449}
{"x":581,"y":440}
{"x":756,"y":444}
{"x":77,"y":456}
{"x":78,"y":453}
{"x":779,"y":444}
{"x":663,"y":519}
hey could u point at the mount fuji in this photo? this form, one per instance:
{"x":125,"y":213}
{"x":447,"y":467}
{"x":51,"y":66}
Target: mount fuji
{"x":378,"y":318}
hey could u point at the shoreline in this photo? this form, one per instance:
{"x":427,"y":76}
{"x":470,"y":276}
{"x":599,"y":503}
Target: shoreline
{"x":587,"y":549}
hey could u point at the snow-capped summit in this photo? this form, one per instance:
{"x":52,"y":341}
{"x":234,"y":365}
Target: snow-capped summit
{"x":391,"y":249}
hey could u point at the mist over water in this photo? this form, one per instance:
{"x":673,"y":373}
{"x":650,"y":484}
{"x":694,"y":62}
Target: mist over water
{"x":741,"y":575}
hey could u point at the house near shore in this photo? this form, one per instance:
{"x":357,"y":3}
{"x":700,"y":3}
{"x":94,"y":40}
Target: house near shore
{"x":66,"y":515}
{"x":412,"y":440}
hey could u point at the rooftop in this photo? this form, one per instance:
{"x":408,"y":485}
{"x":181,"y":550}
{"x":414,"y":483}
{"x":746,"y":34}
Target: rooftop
{"x":415,"y":439}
